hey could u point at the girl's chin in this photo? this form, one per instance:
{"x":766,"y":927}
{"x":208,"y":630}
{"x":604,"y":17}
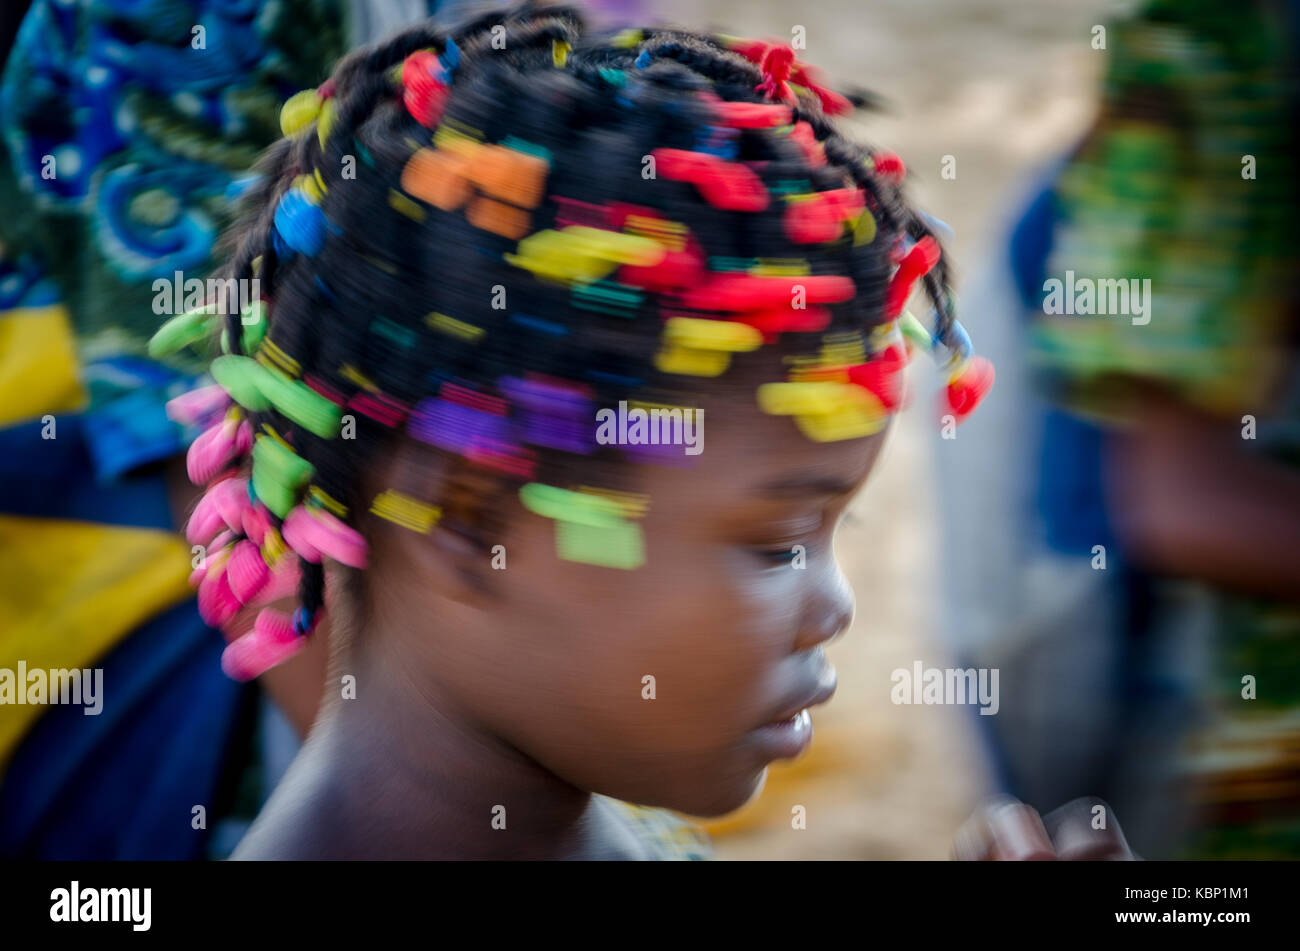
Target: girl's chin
{"x":719,"y":796}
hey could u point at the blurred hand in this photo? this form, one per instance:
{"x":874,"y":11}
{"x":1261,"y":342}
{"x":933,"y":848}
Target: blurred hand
{"x":1007,"y":830}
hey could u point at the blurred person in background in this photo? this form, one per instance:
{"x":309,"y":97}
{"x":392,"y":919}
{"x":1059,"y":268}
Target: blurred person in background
{"x":129,"y":126}
{"x":1133,"y":494}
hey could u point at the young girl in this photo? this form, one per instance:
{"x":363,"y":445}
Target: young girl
{"x":572,"y":351}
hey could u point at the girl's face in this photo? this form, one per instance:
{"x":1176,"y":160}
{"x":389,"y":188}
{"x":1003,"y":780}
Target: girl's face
{"x":668,"y":684}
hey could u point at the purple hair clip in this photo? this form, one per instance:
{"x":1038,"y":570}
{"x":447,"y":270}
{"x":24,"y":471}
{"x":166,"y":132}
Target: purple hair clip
{"x":552,"y":415}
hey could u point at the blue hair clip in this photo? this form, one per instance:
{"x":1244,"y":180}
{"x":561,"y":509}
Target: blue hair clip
{"x":238,"y":187}
{"x":957,"y":340}
{"x":451,"y":56}
{"x":325,"y":290}
{"x":717,"y":140}
{"x":282,"y":250}
{"x":938,"y":225}
{"x":643,"y":60}
{"x":300,"y":223}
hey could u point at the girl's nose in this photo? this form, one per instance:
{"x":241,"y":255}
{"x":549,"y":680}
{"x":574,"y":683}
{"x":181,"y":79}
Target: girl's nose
{"x":829,"y":613}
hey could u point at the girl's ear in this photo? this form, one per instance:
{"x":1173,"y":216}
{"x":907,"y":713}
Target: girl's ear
{"x":433,"y":520}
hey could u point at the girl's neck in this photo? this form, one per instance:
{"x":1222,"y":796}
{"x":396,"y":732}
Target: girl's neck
{"x":397,"y":774}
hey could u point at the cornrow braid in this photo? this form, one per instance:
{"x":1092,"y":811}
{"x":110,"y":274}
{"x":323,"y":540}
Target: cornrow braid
{"x":647,"y":205}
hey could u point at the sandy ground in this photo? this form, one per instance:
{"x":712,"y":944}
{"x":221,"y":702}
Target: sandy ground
{"x":1003,"y":86}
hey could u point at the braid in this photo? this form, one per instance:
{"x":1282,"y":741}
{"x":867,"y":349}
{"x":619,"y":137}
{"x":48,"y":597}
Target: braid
{"x":508,"y":152}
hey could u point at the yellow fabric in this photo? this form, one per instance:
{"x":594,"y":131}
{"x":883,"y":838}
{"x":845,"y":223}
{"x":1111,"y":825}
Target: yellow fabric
{"x":38,"y":364}
{"x":69,"y":591}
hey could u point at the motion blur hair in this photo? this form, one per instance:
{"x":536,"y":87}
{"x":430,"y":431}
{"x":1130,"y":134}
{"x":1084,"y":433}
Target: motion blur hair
{"x":475,"y":235}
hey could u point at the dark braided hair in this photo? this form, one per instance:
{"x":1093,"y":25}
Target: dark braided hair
{"x":431,"y":178}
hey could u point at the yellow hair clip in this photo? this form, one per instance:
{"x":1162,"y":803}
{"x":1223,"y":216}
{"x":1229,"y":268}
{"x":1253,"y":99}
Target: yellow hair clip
{"x":671,"y":234}
{"x":700,"y":334}
{"x":781,"y":267}
{"x":401,"y":509}
{"x":825,"y":411}
{"x":627,"y":38}
{"x":615,"y":245}
{"x":864,"y":229}
{"x":453,"y":327}
{"x":273,"y":546}
{"x":685,"y":361}
{"x":325,"y":122}
{"x":698,"y":347}
{"x":578,"y":254}
{"x":327,"y":501}
{"x":300,"y":111}
{"x":311,"y":187}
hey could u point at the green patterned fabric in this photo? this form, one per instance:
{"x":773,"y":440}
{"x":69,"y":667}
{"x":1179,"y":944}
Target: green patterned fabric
{"x":1189,"y":180}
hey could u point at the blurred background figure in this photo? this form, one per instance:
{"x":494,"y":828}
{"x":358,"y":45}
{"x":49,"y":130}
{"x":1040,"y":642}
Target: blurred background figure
{"x":128,"y":126}
{"x":1143,"y":596}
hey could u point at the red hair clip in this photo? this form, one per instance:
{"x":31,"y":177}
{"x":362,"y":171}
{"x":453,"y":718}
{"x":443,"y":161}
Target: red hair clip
{"x":757,"y":51}
{"x":425,"y":94}
{"x":751,"y":115}
{"x":968,"y":387}
{"x":776,"y":64}
{"x":882,"y":375}
{"x":732,"y":292}
{"x":820,"y":218}
{"x":780,"y":320}
{"x":726,"y":185}
{"x":915,"y":264}
{"x":802,"y":135}
{"x":889,"y":165}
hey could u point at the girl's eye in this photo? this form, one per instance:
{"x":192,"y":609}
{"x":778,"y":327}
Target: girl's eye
{"x":780,"y":556}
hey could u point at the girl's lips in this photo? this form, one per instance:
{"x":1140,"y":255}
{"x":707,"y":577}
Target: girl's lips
{"x":788,"y":734}
{"x":788,"y":739}
{"x":820,"y":692}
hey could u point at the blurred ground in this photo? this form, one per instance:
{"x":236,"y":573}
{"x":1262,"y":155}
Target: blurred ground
{"x":1003,"y":86}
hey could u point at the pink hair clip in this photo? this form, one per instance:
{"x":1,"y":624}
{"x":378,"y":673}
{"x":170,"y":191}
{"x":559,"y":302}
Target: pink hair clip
{"x":314,"y":533}
{"x":246,"y":571}
{"x":272,"y":641}
{"x":255,"y":521}
{"x":223,"y":504}
{"x":217,"y":603}
{"x":282,"y":583}
{"x":198,"y":406}
{"x":216,"y":447}
{"x":214,"y":562}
